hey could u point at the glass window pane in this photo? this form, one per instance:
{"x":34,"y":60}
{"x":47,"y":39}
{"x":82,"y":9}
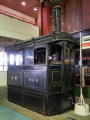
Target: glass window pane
{"x":11,"y":59}
{"x":40,"y":56}
{"x":28,"y":57}
{"x":55,"y":56}
{"x":19,"y":58}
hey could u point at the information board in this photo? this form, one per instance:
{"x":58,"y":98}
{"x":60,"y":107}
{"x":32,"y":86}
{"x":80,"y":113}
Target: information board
{"x":86,"y":42}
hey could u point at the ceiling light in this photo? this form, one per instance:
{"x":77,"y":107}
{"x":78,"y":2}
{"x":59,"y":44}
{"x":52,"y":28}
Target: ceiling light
{"x":35,"y":9}
{"x":23,"y":3}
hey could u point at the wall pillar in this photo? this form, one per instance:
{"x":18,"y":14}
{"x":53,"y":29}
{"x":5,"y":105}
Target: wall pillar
{"x":46,"y":19}
{"x":39,"y":21}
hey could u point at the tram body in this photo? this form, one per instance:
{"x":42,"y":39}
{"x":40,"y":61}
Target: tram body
{"x":41,"y":73}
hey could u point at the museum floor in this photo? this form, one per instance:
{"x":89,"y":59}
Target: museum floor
{"x":69,"y":115}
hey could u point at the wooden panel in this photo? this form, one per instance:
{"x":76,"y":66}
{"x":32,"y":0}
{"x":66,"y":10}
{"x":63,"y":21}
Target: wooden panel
{"x":77,"y":15}
{"x":73,"y":16}
{"x":73,"y":21}
{"x":86,"y":14}
{"x":71,"y":5}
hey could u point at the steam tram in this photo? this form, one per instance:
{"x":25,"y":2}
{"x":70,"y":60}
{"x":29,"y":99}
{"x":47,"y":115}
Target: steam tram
{"x":41,"y":72}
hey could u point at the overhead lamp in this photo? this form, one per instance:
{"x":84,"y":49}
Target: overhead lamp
{"x":23,"y":3}
{"x":35,"y":9}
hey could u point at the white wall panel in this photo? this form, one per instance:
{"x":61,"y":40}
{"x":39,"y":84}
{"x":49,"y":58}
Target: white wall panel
{"x":14,"y":28}
{"x":3,"y":78}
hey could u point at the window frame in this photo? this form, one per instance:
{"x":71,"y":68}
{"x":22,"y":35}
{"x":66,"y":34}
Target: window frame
{"x":41,"y":46}
{"x":30,"y":49}
{"x":61,"y":58}
{"x":15,"y":53}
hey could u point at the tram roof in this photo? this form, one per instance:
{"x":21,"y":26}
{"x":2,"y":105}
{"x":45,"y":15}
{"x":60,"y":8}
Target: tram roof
{"x":46,"y":39}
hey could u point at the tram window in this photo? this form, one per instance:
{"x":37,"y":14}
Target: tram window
{"x":40,"y":56}
{"x":19,"y":58}
{"x":12,"y":59}
{"x":28,"y":56}
{"x":55,"y":54}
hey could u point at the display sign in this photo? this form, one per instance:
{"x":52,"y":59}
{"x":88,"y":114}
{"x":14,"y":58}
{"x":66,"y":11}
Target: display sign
{"x":86,"y":42}
{"x":50,"y":2}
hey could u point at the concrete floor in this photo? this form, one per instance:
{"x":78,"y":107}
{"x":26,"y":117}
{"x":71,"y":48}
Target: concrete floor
{"x":69,"y":115}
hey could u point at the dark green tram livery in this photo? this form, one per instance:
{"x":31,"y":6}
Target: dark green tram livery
{"x":41,"y":72}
